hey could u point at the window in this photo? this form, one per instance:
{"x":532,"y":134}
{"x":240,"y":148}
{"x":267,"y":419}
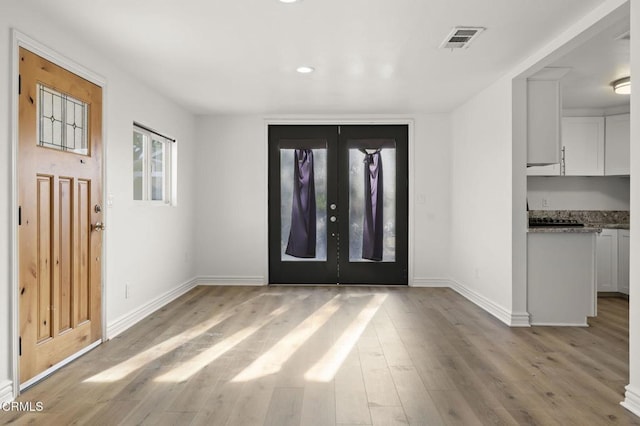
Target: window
{"x":62,"y":122}
{"x":152,"y":155}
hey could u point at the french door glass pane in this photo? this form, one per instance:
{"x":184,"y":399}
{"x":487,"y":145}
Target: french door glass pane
{"x":357,"y":204}
{"x":286,"y":197}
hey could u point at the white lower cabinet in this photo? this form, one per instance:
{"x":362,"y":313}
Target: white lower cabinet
{"x":607,"y":260}
{"x":612,"y":260}
{"x":561,"y":278}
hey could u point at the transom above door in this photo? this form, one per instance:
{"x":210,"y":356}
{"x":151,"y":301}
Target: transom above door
{"x":338,"y":204}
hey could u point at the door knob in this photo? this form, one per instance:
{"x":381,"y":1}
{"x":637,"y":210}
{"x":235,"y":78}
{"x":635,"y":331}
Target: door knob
{"x":99,"y":226}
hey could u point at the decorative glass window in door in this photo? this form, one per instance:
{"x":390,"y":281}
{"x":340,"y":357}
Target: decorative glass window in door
{"x":372,"y":203}
{"x":303,"y":210}
{"x":62,"y":121}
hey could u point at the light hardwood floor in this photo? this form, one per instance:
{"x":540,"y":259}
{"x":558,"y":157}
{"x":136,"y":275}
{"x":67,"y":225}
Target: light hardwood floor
{"x":341,"y":355}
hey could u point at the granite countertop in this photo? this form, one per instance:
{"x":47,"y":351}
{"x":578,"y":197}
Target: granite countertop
{"x":594,"y":220}
{"x":611,"y":225}
{"x":560,"y":229}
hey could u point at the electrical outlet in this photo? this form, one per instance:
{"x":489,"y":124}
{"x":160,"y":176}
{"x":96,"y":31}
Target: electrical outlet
{"x":545,"y":202}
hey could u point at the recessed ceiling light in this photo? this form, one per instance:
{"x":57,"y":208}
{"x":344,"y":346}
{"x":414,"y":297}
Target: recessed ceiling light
{"x":289,"y":1}
{"x":622,"y":86}
{"x":305,"y":69}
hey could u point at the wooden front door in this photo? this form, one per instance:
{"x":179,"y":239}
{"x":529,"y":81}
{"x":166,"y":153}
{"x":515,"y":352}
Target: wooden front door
{"x":60,"y":217}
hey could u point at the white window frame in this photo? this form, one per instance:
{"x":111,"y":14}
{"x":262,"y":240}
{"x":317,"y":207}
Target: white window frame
{"x":168,"y":147}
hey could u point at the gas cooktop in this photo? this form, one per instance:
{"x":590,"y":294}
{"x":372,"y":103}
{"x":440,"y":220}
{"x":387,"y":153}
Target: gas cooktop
{"x":543,"y":222}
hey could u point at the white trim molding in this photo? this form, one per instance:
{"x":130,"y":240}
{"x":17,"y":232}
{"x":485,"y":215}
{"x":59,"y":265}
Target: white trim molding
{"x":6,"y":391}
{"x":520,"y":319}
{"x":132,"y":318}
{"x":632,"y":400}
{"x":504,"y":315}
{"x":512,"y":319}
{"x":431,"y":282}
{"x":231,"y":281}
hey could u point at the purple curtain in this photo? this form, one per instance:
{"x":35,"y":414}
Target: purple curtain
{"x":372,"y":232}
{"x":302,"y":236}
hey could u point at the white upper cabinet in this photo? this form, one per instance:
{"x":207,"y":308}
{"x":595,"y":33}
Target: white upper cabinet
{"x":543,"y":122}
{"x":617,"y":145}
{"x":550,"y":170}
{"x":583,"y":145}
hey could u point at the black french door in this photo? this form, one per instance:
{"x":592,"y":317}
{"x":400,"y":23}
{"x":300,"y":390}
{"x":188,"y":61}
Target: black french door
{"x":338,"y":204}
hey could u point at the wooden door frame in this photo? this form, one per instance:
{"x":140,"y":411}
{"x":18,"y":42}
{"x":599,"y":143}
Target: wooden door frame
{"x":342,"y":121}
{"x":18,"y":40}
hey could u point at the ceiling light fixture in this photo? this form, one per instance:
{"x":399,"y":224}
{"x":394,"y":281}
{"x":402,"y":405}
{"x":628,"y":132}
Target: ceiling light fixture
{"x":305,"y":69}
{"x":289,"y":1}
{"x":622,"y":86}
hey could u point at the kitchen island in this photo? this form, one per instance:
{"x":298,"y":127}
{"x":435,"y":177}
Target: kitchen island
{"x":561,"y":275}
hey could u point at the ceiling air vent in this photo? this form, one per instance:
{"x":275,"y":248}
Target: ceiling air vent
{"x":461,"y":37}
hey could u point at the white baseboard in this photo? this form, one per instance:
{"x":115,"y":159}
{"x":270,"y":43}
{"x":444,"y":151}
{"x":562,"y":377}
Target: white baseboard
{"x":431,"y":282}
{"x":6,"y":391}
{"x":124,"y":322}
{"x":560,"y":324}
{"x":632,"y":400}
{"x":512,"y":319}
{"x":520,"y":319}
{"x":494,"y":309}
{"x":236,"y":280}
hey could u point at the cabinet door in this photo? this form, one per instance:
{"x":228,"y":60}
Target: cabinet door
{"x":607,"y":260}
{"x":623,"y":261}
{"x":583,"y":142}
{"x":550,"y":170}
{"x":616,"y":142}
{"x":543,"y":122}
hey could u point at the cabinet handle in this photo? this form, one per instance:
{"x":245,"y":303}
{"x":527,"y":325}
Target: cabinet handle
{"x":563,"y":164}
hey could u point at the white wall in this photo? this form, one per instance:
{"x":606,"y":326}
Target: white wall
{"x":232,"y":173}
{"x":578,"y":192}
{"x":231,"y":176}
{"x":150,"y":247}
{"x":632,"y":400}
{"x":481,"y":237}
{"x":432,"y":198}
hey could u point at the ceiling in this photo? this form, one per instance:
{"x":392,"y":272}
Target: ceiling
{"x":594,"y":65}
{"x":370,"y":56}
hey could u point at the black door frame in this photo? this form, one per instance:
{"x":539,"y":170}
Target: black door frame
{"x":405,"y":222}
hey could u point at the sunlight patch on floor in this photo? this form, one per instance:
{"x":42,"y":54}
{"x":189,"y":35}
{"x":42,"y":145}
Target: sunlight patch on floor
{"x":123,"y":369}
{"x":271,"y":361}
{"x":325,"y":369}
{"x":197,"y":363}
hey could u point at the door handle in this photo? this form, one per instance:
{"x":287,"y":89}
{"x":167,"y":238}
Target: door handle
{"x":99,"y":226}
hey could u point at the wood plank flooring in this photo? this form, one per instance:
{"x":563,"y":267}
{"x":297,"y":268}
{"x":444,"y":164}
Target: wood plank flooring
{"x":341,"y":356}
